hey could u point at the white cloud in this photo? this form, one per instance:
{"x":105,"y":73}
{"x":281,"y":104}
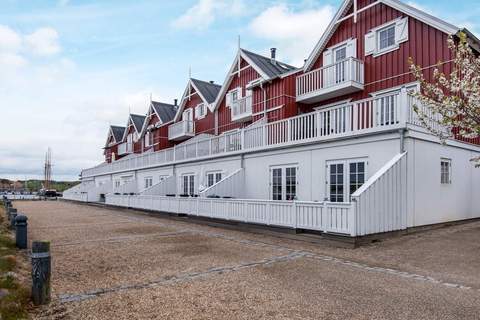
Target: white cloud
{"x":205,"y":12}
{"x":43,"y":42}
{"x":295,"y":33}
{"x":10,"y":40}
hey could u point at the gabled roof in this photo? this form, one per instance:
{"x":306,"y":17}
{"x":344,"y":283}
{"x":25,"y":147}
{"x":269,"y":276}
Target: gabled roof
{"x":395,"y":4}
{"x":138,"y":121}
{"x":272,"y":70}
{"x":267,"y":69}
{"x":117,"y":132}
{"x":207,"y":90}
{"x":165,"y":111}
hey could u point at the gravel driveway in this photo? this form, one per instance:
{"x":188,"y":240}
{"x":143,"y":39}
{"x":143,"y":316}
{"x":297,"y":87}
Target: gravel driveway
{"x":123,"y":264}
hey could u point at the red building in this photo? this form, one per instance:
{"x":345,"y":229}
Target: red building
{"x":115,"y":135}
{"x":256,"y":87}
{"x":194,"y":115}
{"x":154,"y":134}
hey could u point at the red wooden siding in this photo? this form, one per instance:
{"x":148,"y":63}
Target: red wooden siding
{"x":279,"y":92}
{"x":204,"y":125}
{"x":426,"y":45}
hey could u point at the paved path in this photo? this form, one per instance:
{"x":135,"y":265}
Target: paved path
{"x":119,"y":264}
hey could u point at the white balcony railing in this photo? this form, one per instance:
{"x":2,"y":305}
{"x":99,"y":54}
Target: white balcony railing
{"x":383,"y":113}
{"x":337,"y":79}
{"x":242,"y":109}
{"x":125,"y":148}
{"x":181,"y":130}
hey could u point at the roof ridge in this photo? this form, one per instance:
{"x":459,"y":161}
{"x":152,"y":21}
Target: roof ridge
{"x":266,"y":57}
{"x":206,"y":82}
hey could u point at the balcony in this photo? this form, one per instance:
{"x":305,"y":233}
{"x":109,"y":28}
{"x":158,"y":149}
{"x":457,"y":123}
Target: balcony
{"x":340,"y":78}
{"x":125,"y":148}
{"x":242,"y":109}
{"x":181,"y":130}
{"x":369,"y":116}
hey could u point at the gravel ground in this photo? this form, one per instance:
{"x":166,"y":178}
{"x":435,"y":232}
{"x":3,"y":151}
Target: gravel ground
{"x":122,"y":264}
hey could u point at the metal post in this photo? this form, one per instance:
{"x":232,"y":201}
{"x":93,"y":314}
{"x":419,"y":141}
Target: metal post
{"x":41,"y":269}
{"x":21,"y":231}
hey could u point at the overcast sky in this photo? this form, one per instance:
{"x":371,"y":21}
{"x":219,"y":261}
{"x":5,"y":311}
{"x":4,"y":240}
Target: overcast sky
{"x":69,"y":69}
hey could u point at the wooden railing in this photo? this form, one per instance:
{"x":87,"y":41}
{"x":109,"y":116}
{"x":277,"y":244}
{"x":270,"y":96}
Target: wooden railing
{"x":231,"y":186}
{"x":387,"y":112}
{"x":319,"y":216}
{"x":381,"y":202}
{"x":184,"y":128}
{"x":242,"y":108}
{"x":350,"y":69}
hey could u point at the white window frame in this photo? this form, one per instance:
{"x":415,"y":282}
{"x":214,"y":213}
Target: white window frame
{"x":215,"y":177}
{"x":283,"y":182}
{"x":148,"y":182}
{"x":445,"y":177}
{"x":200,"y":111}
{"x":391,"y":47}
{"x":346,"y":176}
{"x":117,"y":183}
{"x":190,"y":188}
{"x":148,"y":139}
{"x":372,"y":38}
{"x":229,"y":96}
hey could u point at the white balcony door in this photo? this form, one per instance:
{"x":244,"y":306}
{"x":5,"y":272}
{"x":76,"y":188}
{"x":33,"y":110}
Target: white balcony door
{"x":188,"y":116}
{"x":340,"y":54}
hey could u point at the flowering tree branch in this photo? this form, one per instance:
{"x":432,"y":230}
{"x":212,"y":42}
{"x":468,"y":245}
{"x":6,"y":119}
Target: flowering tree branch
{"x":450,"y":105}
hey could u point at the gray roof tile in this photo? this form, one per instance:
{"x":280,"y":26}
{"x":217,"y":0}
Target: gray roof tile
{"x":118,"y":132}
{"x":208,"y":90}
{"x":273,"y":70}
{"x":138,"y":121}
{"x":165,"y":111}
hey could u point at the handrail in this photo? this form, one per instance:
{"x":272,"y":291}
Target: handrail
{"x":229,"y":186}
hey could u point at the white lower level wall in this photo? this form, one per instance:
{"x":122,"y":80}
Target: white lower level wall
{"x":427,"y":201}
{"x":432,"y":202}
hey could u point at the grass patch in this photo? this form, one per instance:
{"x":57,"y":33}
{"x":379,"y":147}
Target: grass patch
{"x":13,"y":305}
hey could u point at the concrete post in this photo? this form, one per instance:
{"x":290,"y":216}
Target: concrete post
{"x":21,"y":231}
{"x":41,"y":270}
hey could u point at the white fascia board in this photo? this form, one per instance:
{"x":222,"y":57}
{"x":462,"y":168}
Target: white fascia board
{"x":395,"y":4}
{"x":199,"y":93}
{"x":422,"y":16}
{"x":226,"y":83}
{"x":326,"y":36}
{"x":182,"y":102}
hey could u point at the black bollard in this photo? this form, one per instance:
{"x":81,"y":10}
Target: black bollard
{"x":13,"y":215}
{"x":10,"y":211}
{"x":21,"y":231}
{"x":41,"y":268}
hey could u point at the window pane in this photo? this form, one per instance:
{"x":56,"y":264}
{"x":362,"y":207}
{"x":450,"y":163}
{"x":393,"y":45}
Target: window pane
{"x":277,"y":184}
